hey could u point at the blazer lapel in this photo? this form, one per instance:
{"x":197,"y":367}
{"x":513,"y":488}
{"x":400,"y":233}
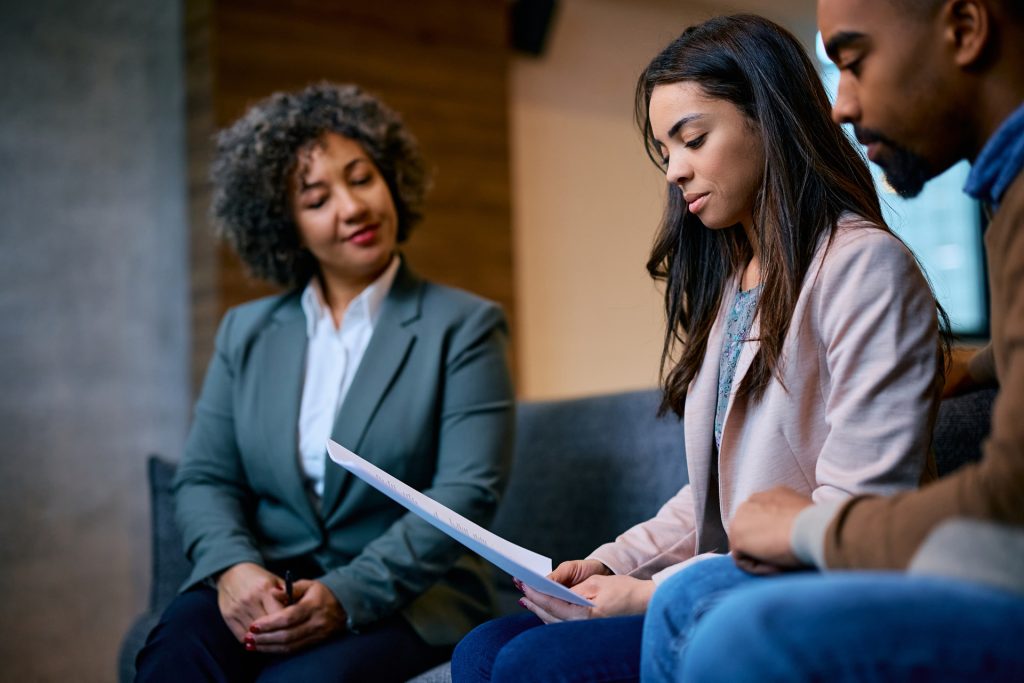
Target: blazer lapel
{"x":747,"y":353}
{"x":389,"y":346}
{"x":726,"y":457}
{"x":283,"y":363}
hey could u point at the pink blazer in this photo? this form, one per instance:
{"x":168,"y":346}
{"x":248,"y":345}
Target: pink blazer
{"x":853,"y":414}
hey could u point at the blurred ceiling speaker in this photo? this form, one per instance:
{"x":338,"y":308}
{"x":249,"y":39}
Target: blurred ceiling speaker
{"x":531,"y":23}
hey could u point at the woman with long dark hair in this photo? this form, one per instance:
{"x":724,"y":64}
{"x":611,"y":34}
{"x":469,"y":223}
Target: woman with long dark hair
{"x":802,"y":346}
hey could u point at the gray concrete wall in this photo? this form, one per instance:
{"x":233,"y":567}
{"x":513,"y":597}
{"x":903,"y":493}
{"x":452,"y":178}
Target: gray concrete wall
{"x":93,"y":319}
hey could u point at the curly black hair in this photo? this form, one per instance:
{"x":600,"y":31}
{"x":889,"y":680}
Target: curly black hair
{"x":257,"y":155}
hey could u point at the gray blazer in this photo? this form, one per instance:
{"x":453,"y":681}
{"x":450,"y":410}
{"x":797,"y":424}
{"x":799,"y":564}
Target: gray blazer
{"x":431,"y":403}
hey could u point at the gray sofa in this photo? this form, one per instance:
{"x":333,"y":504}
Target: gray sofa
{"x":584,"y":470}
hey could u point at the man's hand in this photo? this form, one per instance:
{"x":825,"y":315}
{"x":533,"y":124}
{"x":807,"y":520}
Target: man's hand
{"x":959,"y":379}
{"x":314,"y":616}
{"x":245,"y":592}
{"x":761,"y":529}
{"x":612,"y":596}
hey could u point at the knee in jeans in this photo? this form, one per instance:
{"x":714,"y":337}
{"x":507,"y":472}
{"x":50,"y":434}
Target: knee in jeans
{"x":676,"y":597}
{"x":475,"y":653}
{"x":722,"y":635}
{"x":466,"y":657}
{"x":519,"y":660}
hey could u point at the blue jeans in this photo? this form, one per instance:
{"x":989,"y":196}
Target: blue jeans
{"x":845,"y":626}
{"x":676,"y":608}
{"x":521,"y":648}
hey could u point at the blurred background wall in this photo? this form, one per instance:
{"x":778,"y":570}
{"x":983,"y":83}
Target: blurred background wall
{"x":94,"y":319}
{"x":586,"y":200}
{"x":111,"y":284}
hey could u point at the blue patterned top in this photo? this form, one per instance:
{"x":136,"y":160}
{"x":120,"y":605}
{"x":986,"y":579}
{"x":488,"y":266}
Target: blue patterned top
{"x":737,"y":327}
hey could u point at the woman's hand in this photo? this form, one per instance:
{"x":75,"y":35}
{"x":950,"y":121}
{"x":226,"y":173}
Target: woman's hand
{"x":314,"y":616}
{"x":245,"y":592}
{"x":613,"y":596}
{"x":572,"y":572}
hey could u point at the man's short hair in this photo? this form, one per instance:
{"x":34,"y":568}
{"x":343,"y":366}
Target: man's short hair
{"x":927,"y":8}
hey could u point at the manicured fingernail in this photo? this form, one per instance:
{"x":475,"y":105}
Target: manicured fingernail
{"x":250,"y":646}
{"x":522,"y":602}
{"x":254,"y":628}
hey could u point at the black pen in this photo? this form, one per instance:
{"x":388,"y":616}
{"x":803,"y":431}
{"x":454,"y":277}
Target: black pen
{"x":288,"y":585}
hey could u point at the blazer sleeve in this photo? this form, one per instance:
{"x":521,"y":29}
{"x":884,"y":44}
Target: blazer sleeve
{"x":668,"y":538}
{"x":211,"y":496}
{"x":473,"y":455}
{"x":878,"y":325}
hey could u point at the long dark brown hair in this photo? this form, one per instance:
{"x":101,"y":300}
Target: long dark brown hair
{"x":812,"y":174}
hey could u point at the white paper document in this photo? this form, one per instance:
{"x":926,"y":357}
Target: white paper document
{"x":526,"y":565}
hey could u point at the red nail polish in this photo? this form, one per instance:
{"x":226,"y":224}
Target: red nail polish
{"x":250,"y":646}
{"x":522,"y":602}
{"x":254,"y":628}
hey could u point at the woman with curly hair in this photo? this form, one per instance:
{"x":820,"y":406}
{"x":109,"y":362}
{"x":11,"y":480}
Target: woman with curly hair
{"x":301,"y":572}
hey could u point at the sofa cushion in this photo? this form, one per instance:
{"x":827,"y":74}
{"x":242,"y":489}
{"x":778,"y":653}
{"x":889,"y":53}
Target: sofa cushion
{"x":584,"y":470}
{"x":961,"y":427}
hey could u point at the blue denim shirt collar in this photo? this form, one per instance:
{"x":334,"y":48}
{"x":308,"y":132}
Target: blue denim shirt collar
{"x":999,"y":162}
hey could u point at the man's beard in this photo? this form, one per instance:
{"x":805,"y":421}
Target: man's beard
{"x":905,"y":171}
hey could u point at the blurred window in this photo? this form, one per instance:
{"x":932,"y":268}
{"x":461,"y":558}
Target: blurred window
{"x":942,"y":225}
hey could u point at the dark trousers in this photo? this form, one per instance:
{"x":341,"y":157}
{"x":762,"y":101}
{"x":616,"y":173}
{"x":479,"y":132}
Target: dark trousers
{"x":192,"y":643}
{"x":520,"y":649}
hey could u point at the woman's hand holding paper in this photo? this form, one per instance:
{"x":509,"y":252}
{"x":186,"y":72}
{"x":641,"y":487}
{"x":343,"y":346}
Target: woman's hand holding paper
{"x":613,"y":596}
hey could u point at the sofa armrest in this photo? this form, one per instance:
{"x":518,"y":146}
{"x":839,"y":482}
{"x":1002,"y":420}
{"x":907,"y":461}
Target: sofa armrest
{"x":170,"y":567}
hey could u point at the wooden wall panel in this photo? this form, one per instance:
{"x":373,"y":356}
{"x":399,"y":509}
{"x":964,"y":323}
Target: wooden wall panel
{"x":204,"y":252}
{"x":443,"y":64}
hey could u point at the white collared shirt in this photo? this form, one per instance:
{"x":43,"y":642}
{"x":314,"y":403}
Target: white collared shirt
{"x":332,"y":359}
